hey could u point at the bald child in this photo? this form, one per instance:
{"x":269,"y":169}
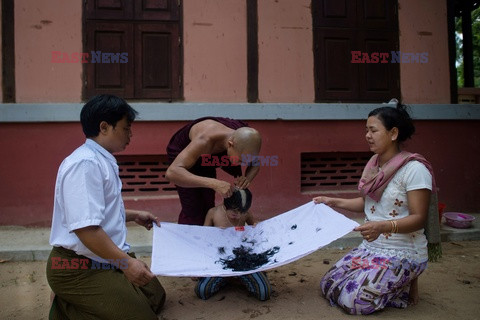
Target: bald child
{"x":197,"y":150}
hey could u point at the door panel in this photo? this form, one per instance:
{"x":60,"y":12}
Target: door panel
{"x":378,"y":81}
{"x":110,"y":66}
{"x":156,"y":46}
{"x":336,"y":75}
{"x":377,"y":14}
{"x":109,"y":9}
{"x":165,"y":10}
{"x":334,"y":13}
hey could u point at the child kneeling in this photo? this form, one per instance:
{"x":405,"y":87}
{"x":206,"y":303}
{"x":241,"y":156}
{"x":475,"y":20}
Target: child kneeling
{"x":233,"y":213}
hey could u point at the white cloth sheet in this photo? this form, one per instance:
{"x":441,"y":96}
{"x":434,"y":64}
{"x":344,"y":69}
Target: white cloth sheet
{"x":197,"y":251}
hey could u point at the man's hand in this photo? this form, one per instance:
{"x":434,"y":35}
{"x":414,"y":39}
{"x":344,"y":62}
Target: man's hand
{"x":242,"y":182}
{"x":143,"y":218}
{"x":138,"y":272}
{"x":95,"y":239}
{"x":146,"y":219}
{"x":224,"y":188}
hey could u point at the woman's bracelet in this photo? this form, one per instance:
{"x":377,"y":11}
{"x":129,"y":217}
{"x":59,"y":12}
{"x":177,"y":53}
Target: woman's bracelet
{"x":394,"y":226}
{"x":393,"y":230}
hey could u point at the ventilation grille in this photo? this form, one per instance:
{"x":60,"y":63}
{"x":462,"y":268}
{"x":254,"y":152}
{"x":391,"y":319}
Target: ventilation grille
{"x":325,"y":171}
{"x":144,"y":175}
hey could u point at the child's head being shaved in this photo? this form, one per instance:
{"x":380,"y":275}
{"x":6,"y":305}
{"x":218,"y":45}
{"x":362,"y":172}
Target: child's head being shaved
{"x":240,"y":200}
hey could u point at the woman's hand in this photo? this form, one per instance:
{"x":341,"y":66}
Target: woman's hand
{"x":354,"y":204}
{"x":372,"y":229}
{"x":331,"y":202}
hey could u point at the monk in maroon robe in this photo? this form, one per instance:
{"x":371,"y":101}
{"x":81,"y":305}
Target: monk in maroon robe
{"x":197,"y":149}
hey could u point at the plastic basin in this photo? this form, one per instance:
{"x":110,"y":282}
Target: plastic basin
{"x":458,"y":220}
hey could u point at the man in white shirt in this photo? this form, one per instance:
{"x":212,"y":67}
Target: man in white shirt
{"x":90,"y":269}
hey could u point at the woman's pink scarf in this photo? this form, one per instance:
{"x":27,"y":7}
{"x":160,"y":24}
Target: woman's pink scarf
{"x":374,"y":181}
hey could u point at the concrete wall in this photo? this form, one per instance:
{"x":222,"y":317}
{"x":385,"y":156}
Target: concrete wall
{"x":215,"y":63}
{"x":215,"y":70}
{"x":285,"y":51}
{"x":215,"y":52}
{"x":43,"y":26}
{"x":1,"y":65}
{"x":28,"y":170}
{"x":423,"y":28}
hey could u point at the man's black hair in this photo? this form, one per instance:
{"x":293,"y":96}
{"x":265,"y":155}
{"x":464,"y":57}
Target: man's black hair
{"x":104,"y":107}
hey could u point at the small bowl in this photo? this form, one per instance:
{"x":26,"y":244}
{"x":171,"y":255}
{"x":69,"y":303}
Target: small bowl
{"x":458,"y":220}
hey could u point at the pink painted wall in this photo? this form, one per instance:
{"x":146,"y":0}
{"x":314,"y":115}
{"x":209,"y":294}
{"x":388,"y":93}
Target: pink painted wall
{"x":423,"y":28}
{"x":31,"y":154}
{"x":1,"y":58}
{"x":215,"y":70}
{"x":285,"y":51}
{"x":215,"y":50}
{"x":43,"y":26}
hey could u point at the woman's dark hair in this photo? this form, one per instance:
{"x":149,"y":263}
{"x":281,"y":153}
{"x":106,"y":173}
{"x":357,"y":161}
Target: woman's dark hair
{"x":105,"y":107}
{"x":398,"y":117}
{"x":240,"y":200}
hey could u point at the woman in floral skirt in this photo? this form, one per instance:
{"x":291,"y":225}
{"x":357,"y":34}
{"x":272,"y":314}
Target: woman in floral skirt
{"x":395,"y":192}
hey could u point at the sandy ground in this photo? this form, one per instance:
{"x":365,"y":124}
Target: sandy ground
{"x":449,"y":289}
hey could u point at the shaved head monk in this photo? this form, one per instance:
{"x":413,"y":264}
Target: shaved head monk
{"x":197,"y":150}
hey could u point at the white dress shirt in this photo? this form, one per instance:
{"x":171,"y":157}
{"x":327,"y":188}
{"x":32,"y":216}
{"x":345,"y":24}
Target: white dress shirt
{"x":88,"y":193}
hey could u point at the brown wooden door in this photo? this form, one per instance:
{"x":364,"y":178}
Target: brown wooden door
{"x":148,"y":32}
{"x":340,"y":27}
